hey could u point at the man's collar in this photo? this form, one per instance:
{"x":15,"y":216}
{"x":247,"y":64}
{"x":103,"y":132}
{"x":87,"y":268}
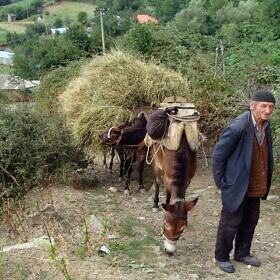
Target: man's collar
{"x":265,"y":122}
{"x":253,"y":119}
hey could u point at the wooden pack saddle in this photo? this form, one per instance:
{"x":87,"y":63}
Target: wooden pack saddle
{"x":184,"y":121}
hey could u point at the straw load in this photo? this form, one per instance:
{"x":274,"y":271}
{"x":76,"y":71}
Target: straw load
{"x":111,"y":89}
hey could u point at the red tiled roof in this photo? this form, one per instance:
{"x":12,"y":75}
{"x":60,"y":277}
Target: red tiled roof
{"x":146,"y":19}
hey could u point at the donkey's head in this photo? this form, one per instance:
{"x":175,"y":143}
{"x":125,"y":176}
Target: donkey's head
{"x":111,"y":135}
{"x":175,"y":221}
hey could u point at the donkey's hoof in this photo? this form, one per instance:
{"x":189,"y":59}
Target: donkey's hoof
{"x":126,"y":192}
{"x":155,"y":209}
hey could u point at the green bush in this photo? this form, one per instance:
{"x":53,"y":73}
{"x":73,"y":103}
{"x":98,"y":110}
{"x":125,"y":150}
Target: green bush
{"x":275,"y":123}
{"x":33,"y":145}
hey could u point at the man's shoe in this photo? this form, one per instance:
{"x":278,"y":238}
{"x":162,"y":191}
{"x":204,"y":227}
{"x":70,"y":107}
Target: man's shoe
{"x":226,"y":266}
{"x":249,"y":260}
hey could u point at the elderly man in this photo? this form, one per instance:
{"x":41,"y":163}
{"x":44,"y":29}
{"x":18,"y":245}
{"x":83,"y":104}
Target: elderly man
{"x":242,"y":164}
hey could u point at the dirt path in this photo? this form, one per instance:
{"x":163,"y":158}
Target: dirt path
{"x":132,"y":233}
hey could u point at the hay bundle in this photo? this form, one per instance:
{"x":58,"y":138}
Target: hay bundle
{"x":110,"y":89}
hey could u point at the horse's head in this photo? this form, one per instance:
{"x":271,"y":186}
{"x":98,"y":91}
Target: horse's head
{"x":112,"y":135}
{"x":175,"y":221}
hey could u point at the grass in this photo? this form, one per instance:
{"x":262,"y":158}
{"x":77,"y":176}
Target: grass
{"x":2,"y":36}
{"x":67,"y":11}
{"x":130,"y":227}
{"x":19,"y":3}
{"x":18,"y":26}
{"x":135,"y":250}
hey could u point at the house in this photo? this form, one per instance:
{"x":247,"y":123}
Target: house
{"x":12,"y":17}
{"x":6,"y":58}
{"x":60,"y":30}
{"x":146,"y":19}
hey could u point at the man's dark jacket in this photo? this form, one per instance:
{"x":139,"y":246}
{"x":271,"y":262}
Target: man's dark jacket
{"x":231,"y":160}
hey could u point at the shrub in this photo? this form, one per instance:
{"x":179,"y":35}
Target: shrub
{"x":275,"y":123}
{"x":33,"y":145}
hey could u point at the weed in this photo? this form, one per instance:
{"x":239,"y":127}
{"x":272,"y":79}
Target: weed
{"x":60,"y":262}
{"x":2,"y":264}
{"x":84,"y":247}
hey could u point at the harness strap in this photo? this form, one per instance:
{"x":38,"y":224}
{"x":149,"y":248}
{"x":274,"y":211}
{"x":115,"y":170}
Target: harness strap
{"x":109,"y":132}
{"x":155,"y":153}
{"x":179,"y":199}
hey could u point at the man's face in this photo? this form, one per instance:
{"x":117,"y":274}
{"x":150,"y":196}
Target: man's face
{"x":261,"y":110}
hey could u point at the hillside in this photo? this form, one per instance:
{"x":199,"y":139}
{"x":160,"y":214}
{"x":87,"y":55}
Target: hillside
{"x":128,"y":228}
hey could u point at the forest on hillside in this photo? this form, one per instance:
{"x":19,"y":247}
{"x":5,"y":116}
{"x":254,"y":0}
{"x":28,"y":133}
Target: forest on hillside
{"x":226,"y":49}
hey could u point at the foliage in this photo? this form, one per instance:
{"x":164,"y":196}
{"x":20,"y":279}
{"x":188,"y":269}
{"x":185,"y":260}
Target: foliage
{"x":35,"y":29}
{"x":96,"y":41}
{"x":275,"y":123}
{"x":34,"y":57}
{"x":192,"y":19}
{"x":34,"y":137}
{"x":58,"y":22}
{"x":167,"y":9}
{"x":22,"y":10}
{"x":82,"y":17}
{"x":67,"y":11}
{"x":139,"y":39}
{"x":77,"y":35}
{"x":54,"y":82}
{"x":246,"y":11}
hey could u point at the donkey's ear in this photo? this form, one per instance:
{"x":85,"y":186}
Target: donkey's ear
{"x":190,"y":204}
{"x":168,"y":207}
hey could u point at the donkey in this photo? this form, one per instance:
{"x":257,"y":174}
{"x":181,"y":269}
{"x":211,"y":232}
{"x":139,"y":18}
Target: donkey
{"x":130,"y":145}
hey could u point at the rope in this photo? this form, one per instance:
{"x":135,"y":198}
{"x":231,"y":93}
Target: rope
{"x":184,"y":118}
{"x":204,"y":154}
{"x":155,"y":153}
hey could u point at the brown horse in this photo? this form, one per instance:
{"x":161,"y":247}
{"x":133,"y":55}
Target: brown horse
{"x":130,"y":147}
{"x":178,"y":167}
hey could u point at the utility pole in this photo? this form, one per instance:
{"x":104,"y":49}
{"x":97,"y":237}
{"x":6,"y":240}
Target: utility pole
{"x":102,"y":29}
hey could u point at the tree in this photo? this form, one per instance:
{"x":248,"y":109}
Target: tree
{"x":82,"y":17}
{"x":140,"y":39}
{"x":167,"y":9}
{"x":58,"y":22}
{"x":36,"y":56}
{"x":77,"y":35}
{"x":35,"y":29}
{"x":96,"y":41}
{"x":192,"y":19}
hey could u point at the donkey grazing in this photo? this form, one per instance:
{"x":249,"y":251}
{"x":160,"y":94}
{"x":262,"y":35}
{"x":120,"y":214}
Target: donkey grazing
{"x":175,"y":156}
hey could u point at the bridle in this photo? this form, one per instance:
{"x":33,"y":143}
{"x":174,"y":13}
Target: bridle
{"x":109,"y":132}
{"x":176,"y":237}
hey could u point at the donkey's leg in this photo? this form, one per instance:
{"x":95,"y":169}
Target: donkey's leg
{"x":113,"y":149}
{"x":157,"y":180}
{"x":128,"y":171}
{"x":142,"y":159}
{"x":104,"y":159}
{"x":122,"y":157}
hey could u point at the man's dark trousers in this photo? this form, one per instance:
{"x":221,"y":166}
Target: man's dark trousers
{"x":239,"y":225}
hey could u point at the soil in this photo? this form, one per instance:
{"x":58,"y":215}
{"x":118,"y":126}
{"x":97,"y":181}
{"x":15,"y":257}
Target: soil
{"x":132,"y":234}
